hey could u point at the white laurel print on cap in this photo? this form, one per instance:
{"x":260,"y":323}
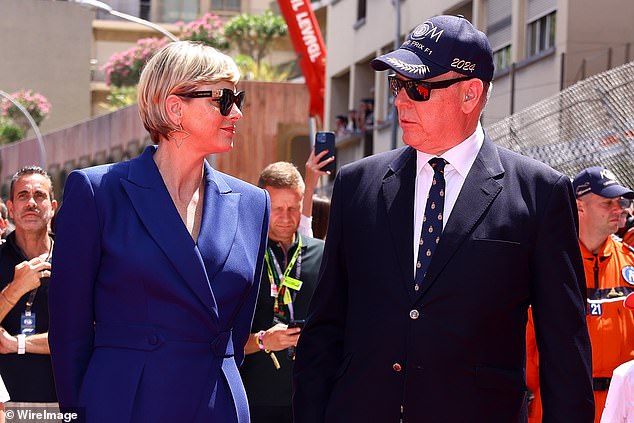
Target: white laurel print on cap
{"x":419,"y":69}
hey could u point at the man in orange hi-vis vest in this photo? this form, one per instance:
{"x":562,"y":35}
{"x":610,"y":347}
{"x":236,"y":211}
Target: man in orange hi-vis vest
{"x":609,"y":270}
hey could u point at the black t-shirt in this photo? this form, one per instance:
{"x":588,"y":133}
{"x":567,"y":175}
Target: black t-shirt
{"x":28,"y":377}
{"x":265,"y":385}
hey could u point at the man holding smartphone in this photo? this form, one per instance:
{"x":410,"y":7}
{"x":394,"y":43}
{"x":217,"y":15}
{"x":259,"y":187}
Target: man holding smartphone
{"x":291,"y":267}
{"x":25,"y":363}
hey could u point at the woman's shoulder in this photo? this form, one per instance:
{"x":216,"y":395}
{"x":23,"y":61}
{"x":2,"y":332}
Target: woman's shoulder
{"x":98,"y":175}
{"x":228,"y":183}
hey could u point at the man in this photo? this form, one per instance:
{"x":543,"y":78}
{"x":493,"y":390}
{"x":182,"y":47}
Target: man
{"x":609,"y":274}
{"x":288,"y":282}
{"x":25,"y":363}
{"x":429,"y":268}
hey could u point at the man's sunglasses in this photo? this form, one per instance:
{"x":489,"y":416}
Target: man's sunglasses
{"x":225,"y":97}
{"x":625,"y":203}
{"x":419,"y":90}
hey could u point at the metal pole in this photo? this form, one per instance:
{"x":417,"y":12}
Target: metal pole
{"x":397,"y":44}
{"x":512,"y":100}
{"x":28,"y":116}
{"x":103,"y":6}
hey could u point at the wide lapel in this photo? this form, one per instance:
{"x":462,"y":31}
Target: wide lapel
{"x":219,"y":221}
{"x":398,"y":192}
{"x":478,"y":192}
{"x":154,"y":206}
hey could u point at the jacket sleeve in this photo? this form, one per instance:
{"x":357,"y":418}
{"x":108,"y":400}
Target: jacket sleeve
{"x":75,"y":264}
{"x":320,"y":346}
{"x":558,"y":297}
{"x":244,"y":318}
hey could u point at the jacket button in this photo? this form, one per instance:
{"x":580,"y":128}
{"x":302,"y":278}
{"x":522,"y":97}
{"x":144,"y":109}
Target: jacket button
{"x":396,"y":367}
{"x":152,"y":340}
{"x":413,"y":314}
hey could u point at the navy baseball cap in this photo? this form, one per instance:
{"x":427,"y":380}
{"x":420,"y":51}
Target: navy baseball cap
{"x":599,"y":181}
{"x":439,"y":45}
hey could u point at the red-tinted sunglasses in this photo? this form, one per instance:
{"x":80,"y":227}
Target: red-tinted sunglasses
{"x":225,"y":97}
{"x":419,"y":90}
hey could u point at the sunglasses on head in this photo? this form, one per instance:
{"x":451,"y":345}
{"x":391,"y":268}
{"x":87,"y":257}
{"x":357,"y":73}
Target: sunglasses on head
{"x":225,"y":97}
{"x":419,"y":90}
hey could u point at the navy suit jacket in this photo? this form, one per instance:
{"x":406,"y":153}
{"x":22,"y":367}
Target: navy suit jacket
{"x":145,"y":324}
{"x":455,"y":350}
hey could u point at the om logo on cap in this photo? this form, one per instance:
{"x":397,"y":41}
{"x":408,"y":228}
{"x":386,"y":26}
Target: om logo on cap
{"x":628,"y":274}
{"x":426,"y":29}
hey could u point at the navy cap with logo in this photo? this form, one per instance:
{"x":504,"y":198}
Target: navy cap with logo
{"x":439,"y":45}
{"x":600,"y":181}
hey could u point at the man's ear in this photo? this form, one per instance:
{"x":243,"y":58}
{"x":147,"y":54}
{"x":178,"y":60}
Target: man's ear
{"x":580,"y":206}
{"x":10,"y":208}
{"x":472,"y":93}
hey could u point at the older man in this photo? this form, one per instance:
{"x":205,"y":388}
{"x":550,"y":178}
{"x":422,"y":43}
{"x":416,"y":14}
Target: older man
{"x":25,"y":362}
{"x":434,"y":253}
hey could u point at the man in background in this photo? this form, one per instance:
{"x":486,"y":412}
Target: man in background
{"x":289,"y":279}
{"x":609,"y":273}
{"x":25,"y":363}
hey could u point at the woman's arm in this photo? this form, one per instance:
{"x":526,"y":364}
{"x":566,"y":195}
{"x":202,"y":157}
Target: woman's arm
{"x":76,"y":258}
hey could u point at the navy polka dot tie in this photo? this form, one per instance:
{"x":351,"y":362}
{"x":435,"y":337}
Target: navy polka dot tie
{"x":432,"y":221}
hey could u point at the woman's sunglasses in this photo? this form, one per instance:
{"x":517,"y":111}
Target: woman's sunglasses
{"x":419,"y":90}
{"x":225,"y":97}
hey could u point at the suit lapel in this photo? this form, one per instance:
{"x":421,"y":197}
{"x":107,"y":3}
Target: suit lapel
{"x":219,"y":221}
{"x":154,"y":206}
{"x":478,"y":192}
{"x":398,"y":193}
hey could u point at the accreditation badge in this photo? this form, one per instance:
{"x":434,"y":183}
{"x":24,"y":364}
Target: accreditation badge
{"x":27,"y":324}
{"x":292,"y":283}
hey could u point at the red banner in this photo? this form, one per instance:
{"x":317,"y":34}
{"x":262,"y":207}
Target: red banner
{"x":309,"y":46}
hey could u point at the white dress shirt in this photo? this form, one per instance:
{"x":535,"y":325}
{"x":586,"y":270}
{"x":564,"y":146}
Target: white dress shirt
{"x":460,"y":159}
{"x":619,"y":406}
{"x":4,"y":395}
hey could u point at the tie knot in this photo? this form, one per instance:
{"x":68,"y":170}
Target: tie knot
{"x":438,"y":164}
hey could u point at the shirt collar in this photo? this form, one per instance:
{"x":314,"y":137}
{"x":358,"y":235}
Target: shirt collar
{"x":460,"y":157}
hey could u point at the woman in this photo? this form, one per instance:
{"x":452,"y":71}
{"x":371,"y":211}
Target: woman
{"x":156,"y":259}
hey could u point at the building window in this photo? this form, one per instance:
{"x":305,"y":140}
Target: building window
{"x":226,"y":5}
{"x":361,"y":5}
{"x":541,"y":34}
{"x":144,"y":9}
{"x":502,"y":58}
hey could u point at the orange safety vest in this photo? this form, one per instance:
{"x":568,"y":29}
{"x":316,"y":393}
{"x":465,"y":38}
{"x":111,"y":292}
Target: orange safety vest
{"x":609,"y":278}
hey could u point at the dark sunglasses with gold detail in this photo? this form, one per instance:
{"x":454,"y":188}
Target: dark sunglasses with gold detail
{"x":225,"y":97}
{"x":419,"y":90}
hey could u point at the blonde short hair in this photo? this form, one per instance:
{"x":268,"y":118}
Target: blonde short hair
{"x":282,"y":175}
{"x":178,"y":68}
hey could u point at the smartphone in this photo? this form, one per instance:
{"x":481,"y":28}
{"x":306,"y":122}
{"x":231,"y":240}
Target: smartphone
{"x":326,"y":141}
{"x":296,"y":324}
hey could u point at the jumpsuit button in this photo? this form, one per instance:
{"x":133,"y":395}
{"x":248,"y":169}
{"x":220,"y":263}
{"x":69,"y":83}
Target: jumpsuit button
{"x":152,"y":340}
{"x":413,"y":314}
{"x":396,"y":367}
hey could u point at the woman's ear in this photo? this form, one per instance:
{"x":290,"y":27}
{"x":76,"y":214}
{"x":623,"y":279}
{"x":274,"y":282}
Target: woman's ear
{"x":174,"y":108}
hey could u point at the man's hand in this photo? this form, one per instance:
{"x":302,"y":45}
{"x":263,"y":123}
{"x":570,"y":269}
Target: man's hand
{"x":27,"y":277}
{"x":279,"y":337}
{"x":8,"y":343}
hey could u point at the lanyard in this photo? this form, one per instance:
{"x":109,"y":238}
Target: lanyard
{"x":283,"y":286}
{"x":31,"y":299}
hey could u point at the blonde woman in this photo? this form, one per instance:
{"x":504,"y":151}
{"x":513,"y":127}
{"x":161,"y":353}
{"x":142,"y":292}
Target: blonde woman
{"x":158,"y":259}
